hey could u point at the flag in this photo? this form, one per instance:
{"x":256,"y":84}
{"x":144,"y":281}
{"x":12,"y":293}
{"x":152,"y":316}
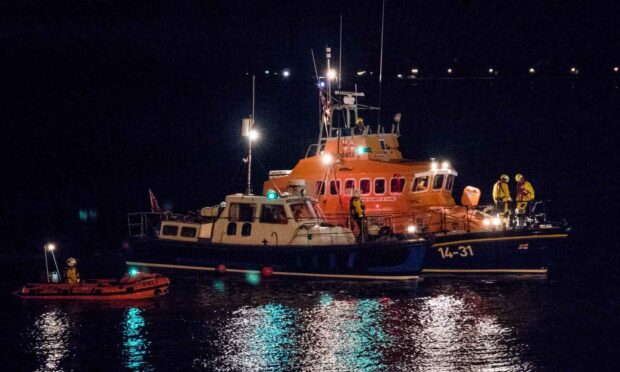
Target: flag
{"x":154,"y":204}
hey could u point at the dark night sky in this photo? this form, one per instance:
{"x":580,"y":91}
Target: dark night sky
{"x":103,"y":99}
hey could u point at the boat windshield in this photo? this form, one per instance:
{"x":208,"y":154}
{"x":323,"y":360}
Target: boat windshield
{"x":301,"y":211}
{"x":318,"y":211}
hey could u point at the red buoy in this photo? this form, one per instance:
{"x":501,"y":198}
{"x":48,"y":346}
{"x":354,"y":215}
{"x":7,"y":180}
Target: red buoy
{"x":221,"y":268}
{"x":267,"y":271}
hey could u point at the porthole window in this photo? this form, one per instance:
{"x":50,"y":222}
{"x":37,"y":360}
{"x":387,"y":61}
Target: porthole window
{"x":365,"y":186}
{"x":379,"y":186}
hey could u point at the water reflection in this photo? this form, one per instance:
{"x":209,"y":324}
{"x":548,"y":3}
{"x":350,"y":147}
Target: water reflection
{"x":135,"y":344}
{"x":259,"y":338}
{"x":344,"y":335}
{"x":51,"y":339}
{"x":454,"y":331}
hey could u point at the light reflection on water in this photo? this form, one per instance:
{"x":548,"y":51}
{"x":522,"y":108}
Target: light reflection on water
{"x":50,"y":339}
{"x":226,"y":323}
{"x":135,"y":344}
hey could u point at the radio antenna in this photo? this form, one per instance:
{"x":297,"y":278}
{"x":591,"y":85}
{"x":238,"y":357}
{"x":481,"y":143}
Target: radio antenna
{"x":381,"y":64}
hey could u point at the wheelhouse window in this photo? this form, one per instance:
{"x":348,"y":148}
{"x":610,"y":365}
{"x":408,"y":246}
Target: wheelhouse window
{"x":382,"y":143}
{"x":420,"y":184}
{"x":273,"y":213}
{"x":397,"y":185}
{"x":170,"y":230}
{"x":365,"y":186}
{"x":379,"y":186}
{"x":349,"y":186}
{"x":450,"y":182}
{"x":320,"y":188}
{"x":188,"y":232}
{"x":242,"y":212}
{"x":301,"y":212}
{"x":438,"y":181}
{"x":317,"y":210}
{"x":334,"y":187}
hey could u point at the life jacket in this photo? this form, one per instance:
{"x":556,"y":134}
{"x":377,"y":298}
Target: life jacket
{"x":501,"y":192}
{"x":525,"y":191}
{"x":72,"y":275}
{"x":356,"y":207}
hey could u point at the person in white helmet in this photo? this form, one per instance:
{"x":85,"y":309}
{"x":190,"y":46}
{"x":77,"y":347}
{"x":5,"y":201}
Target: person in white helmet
{"x":71,"y":272}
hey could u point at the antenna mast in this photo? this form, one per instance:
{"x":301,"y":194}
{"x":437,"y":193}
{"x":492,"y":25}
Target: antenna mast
{"x":381,"y":64}
{"x":249,"y":188}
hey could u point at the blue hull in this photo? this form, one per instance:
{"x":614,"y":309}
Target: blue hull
{"x":513,"y":251}
{"x":384,"y":261}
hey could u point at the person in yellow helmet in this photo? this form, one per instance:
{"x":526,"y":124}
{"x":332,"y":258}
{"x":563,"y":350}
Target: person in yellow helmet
{"x":501,"y":195}
{"x":525,"y":194}
{"x":71,"y":272}
{"x":359,"y":126}
{"x":357,"y":210}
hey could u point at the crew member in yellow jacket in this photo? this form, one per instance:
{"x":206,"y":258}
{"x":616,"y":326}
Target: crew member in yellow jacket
{"x":501,"y":195}
{"x":357,"y":210}
{"x":71,"y":273}
{"x":525,"y":193}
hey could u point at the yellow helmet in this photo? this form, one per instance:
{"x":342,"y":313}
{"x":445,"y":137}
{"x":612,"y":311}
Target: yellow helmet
{"x":504,"y":177}
{"x":71,"y":261}
{"x":518,"y":177}
{"x":359,"y":120}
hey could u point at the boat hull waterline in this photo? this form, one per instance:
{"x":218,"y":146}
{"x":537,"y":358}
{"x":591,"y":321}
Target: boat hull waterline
{"x":512,"y":251}
{"x":146,"y":286}
{"x":400,"y":260}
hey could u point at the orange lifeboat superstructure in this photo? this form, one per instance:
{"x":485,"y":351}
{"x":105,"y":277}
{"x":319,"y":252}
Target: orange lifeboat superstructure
{"x":397,"y":192}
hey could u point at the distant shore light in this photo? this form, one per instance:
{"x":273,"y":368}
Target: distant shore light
{"x":532,"y":71}
{"x":286,"y":73}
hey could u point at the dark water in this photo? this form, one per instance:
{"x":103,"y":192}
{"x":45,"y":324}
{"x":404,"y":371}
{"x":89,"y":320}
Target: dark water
{"x":210,"y":322}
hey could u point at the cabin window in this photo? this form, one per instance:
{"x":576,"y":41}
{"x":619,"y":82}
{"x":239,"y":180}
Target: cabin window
{"x":273,"y":213}
{"x":450,"y":182}
{"x":382,"y":143}
{"x":379,"y":186}
{"x":246,"y":229}
{"x":170,"y":230}
{"x":349,"y":186}
{"x":420,"y":184}
{"x":188,"y":232}
{"x":334,"y":187}
{"x":317,"y":210}
{"x":320,"y":188}
{"x":438,"y":181}
{"x":301,"y":211}
{"x":242,"y":212}
{"x":231,"y":229}
{"x":397,"y":185}
{"x":365,"y":186}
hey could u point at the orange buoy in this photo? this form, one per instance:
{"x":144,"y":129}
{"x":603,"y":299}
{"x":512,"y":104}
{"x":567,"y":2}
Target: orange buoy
{"x":266,"y":271}
{"x":221,"y":269}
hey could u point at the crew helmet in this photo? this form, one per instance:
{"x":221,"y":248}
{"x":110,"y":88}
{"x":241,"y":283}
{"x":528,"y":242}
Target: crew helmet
{"x":71,"y":261}
{"x":504,"y":177}
{"x":518,"y":177}
{"x":359,"y":120}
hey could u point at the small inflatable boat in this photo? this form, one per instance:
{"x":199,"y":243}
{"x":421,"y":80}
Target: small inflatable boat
{"x":139,"y":287}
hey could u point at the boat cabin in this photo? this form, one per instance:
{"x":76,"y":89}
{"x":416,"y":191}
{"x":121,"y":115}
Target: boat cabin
{"x":257,"y":220}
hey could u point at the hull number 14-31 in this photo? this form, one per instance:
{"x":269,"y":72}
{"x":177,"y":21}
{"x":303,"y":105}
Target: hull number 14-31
{"x":461,"y":251}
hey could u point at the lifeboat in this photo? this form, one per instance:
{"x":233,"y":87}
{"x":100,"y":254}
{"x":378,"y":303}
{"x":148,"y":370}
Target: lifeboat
{"x":405,"y":196}
{"x":139,"y":287}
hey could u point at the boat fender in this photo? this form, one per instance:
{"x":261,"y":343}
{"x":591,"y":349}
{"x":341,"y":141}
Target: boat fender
{"x":266,"y":271}
{"x":221,"y":269}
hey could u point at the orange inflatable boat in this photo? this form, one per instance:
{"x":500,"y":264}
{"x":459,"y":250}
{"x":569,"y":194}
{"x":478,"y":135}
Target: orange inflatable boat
{"x":139,"y":287}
